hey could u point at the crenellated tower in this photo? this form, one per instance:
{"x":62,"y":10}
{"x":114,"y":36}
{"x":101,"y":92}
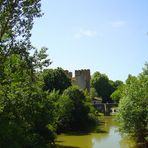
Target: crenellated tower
{"x":82,"y":79}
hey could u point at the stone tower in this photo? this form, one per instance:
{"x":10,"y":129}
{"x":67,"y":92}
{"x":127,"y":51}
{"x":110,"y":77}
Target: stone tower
{"x":82,"y":79}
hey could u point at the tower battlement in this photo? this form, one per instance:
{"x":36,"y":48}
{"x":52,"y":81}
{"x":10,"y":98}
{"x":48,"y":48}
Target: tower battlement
{"x":81,"y":79}
{"x":85,"y":72}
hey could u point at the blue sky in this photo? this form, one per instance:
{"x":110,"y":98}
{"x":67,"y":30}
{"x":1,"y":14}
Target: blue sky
{"x":109,"y":36}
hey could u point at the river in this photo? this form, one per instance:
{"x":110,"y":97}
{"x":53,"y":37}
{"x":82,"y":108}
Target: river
{"x":106,"y":136}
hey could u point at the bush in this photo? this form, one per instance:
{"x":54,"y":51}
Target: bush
{"x":133,"y":108}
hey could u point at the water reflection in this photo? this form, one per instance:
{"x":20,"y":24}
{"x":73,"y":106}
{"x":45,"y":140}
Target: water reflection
{"x":106,"y":136}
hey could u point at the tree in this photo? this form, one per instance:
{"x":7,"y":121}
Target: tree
{"x":55,"y":79}
{"x":76,"y":116}
{"x":102,"y":85}
{"x":117,"y":94}
{"x":130,"y":79}
{"x":118,"y":83}
{"x":93,"y":93}
{"x":133,"y":107}
{"x":17,"y":20}
{"x":40,"y":60}
{"x":26,"y":118}
{"x":16,"y":17}
{"x":145,"y":69}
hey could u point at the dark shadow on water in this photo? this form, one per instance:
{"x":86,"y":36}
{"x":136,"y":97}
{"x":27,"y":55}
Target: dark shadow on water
{"x":100,"y":131}
{"x":62,"y":146}
{"x":96,"y":129}
{"x":77,"y":133}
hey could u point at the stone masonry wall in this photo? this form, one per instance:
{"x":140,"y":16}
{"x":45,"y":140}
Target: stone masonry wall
{"x":81,"y":79}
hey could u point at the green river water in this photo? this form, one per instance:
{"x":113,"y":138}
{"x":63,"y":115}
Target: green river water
{"x":107,"y":136}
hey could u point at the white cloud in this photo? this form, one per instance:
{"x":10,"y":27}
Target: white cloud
{"x":118,"y":24}
{"x":85,"y":33}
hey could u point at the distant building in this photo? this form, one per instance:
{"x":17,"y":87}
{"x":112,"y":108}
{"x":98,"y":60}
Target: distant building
{"x":81,"y":78}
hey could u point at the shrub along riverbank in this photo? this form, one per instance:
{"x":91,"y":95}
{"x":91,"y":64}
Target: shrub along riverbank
{"x":133,"y":107}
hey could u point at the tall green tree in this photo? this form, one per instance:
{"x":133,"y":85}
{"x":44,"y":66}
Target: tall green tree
{"x":77,"y":115}
{"x":133,"y":107}
{"x":17,"y":20}
{"x":40,"y":59}
{"x":102,"y":85}
{"x":22,"y":100}
{"x":55,"y":79}
{"x":26,"y":118}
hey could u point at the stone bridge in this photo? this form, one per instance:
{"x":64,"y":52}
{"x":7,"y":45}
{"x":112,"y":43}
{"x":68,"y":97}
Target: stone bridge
{"x":106,"y":108}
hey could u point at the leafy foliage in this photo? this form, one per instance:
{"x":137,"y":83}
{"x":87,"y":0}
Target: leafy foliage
{"x":55,"y":79}
{"x":76,"y":116}
{"x":133,"y":107}
{"x":117,"y":94}
{"x":40,"y":60}
{"x":93,"y":93}
{"x":145,"y":69}
{"x":17,"y":19}
{"x":29,"y":114}
{"x":26,"y":118}
{"x":22,"y":101}
{"x":103,"y":86}
{"x":118,"y":83}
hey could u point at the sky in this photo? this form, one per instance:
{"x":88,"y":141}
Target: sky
{"x":109,"y":36}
